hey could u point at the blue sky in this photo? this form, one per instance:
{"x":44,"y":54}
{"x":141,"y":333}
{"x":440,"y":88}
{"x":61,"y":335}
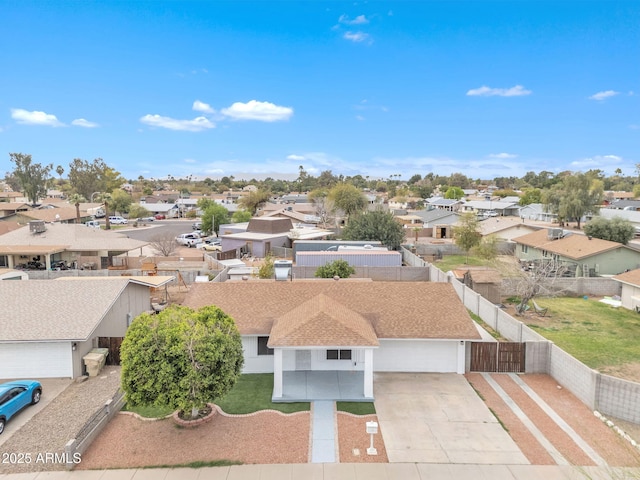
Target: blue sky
{"x":255,"y":89}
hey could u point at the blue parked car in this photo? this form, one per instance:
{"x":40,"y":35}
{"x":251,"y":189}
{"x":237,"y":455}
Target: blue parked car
{"x":14,"y":396}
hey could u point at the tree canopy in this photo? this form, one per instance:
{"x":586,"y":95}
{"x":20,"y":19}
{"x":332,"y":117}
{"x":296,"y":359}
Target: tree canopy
{"x":467,"y":233}
{"x":253,"y":200}
{"x":375,"y":225}
{"x":32,"y":177}
{"x":616,"y":230}
{"x":573,"y":197}
{"x":181,"y":358}
{"x":347,"y":198}
{"x":213,"y":215}
{"x":96,"y":177}
{"x":337,"y":268}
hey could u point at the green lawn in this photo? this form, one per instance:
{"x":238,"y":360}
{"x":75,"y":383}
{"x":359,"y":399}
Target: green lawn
{"x":148,"y":411}
{"x":253,"y":392}
{"x":357,"y":408}
{"x":593,"y":332}
{"x":451,"y":262}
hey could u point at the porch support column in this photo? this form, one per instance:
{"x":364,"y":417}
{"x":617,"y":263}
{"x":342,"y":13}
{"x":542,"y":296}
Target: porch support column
{"x":462,"y":357}
{"x":368,"y":372}
{"x":277,"y":373}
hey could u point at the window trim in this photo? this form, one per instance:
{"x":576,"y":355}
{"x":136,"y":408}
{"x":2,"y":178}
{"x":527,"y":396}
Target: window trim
{"x":262,"y":349}
{"x":340,"y":354}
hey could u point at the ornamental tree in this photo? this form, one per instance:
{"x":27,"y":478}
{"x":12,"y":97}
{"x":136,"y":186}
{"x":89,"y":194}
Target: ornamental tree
{"x":467,"y":233}
{"x":181,"y":358}
{"x":337,"y":268}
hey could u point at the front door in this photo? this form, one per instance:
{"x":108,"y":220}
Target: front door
{"x":303,"y":359}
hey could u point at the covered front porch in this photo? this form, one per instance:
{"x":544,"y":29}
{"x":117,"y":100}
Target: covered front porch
{"x":310,"y":385}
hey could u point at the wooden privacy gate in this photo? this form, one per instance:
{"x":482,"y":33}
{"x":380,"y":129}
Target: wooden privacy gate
{"x":113,"y":344}
{"x":497,"y":357}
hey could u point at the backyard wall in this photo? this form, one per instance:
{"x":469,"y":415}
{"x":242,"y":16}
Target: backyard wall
{"x":611,"y":396}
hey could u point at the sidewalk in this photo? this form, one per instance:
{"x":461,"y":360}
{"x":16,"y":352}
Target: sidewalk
{"x":346,"y":471}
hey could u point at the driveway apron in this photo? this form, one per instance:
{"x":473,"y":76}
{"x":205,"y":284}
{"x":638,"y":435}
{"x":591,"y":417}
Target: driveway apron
{"x":439,"y":418}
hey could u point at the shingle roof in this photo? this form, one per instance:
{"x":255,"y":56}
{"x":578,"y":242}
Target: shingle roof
{"x":72,"y":237}
{"x":322,"y":321}
{"x":52,"y":214}
{"x":37,"y":310}
{"x":394,"y":309}
{"x":574,"y":246}
{"x":632,"y":277}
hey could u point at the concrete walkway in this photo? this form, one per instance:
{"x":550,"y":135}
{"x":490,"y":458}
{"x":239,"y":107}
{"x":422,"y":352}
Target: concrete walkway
{"x":323,"y":432}
{"x":345,"y":471}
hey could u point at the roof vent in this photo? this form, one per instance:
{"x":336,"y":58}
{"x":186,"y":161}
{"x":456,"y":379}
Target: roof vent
{"x":283,"y":269}
{"x":37,"y":226}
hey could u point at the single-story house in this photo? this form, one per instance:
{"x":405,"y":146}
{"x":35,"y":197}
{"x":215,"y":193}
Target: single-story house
{"x":49,"y":325}
{"x":536,"y":212}
{"x":506,"y":228}
{"x":586,"y":256}
{"x":350,"y":326}
{"x":630,"y":289}
{"x":50,"y":242}
{"x":9,"y":209}
{"x":501,"y":207}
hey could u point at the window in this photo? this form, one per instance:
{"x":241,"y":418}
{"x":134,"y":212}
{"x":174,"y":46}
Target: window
{"x":262,"y":346}
{"x":4,"y":261}
{"x":338,"y":354}
{"x":525,"y":248}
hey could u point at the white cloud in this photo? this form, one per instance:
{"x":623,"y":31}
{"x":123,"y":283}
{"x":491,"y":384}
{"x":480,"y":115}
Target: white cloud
{"x":296,"y":158}
{"x":190,"y":160}
{"x":359,"y":20}
{"x":597,"y":161}
{"x":485,"y":91}
{"x":35,"y":118}
{"x":199,"y":106}
{"x":603,"y":95}
{"x":357,"y":37}
{"x":255,"y":110}
{"x":502,"y":155}
{"x":196,"y":125}
{"x":81,"y":122}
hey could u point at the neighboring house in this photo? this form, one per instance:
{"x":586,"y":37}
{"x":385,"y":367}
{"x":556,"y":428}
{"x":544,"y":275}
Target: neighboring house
{"x":506,"y":228}
{"x":628,"y":204}
{"x":451,"y":205}
{"x":502,"y":208}
{"x":630,"y":289}
{"x":439,"y":220}
{"x":49,"y":325}
{"x":354,"y":256}
{"x":579,"y":253}
{"x":289,"y":212}
{"x":631,"y":215}
{"x":65,"y":214}
{"x":360,"y":327}
{"x":50,"y":242}
{"x":536,"y":212}
{"x":10,"y":209}
{"x":263,"y":233}
{"x":169,"y":210}
{"x":303,"y":208}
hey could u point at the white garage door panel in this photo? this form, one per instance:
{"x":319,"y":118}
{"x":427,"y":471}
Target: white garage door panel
{"x":35,"y":360}
{"x":415,"y":356}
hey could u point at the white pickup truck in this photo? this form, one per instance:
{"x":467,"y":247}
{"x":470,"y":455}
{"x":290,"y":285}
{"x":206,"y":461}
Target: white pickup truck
{"x":188,"y":239}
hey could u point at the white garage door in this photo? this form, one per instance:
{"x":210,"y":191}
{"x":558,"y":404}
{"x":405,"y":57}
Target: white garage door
{"x":415,"y":356}
{"x":35,"y":360}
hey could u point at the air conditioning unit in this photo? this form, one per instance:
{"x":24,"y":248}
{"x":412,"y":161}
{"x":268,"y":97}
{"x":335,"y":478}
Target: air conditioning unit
{"x":37,"y":226}
{"x":283,"y":269}
{"x":554,"y":233}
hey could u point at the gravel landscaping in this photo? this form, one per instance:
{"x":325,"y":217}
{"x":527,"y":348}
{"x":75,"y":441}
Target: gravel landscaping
{"x":49,"y":430}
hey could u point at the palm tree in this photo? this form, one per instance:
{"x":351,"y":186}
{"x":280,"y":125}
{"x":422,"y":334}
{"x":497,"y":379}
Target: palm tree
{"x":106,"y":198}
{"x":76,"y":199}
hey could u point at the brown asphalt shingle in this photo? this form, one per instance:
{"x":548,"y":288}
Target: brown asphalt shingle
{"x":575,"y":246}
{"x":394,"y":309}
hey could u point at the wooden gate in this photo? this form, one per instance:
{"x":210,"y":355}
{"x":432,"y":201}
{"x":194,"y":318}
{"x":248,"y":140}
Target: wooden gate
{"x":113,"y":344}
{"x":497,"y":357}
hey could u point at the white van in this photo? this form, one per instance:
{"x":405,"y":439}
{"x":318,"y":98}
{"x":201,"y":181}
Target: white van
{"x":116,"y":220}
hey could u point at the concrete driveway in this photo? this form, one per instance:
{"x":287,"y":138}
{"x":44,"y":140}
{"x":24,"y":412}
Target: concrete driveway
{"x":439,"y":418}
{"x":51,"y":388}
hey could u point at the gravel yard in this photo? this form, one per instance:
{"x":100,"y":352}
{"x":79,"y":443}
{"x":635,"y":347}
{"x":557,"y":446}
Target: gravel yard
{"x":49,"y":430}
